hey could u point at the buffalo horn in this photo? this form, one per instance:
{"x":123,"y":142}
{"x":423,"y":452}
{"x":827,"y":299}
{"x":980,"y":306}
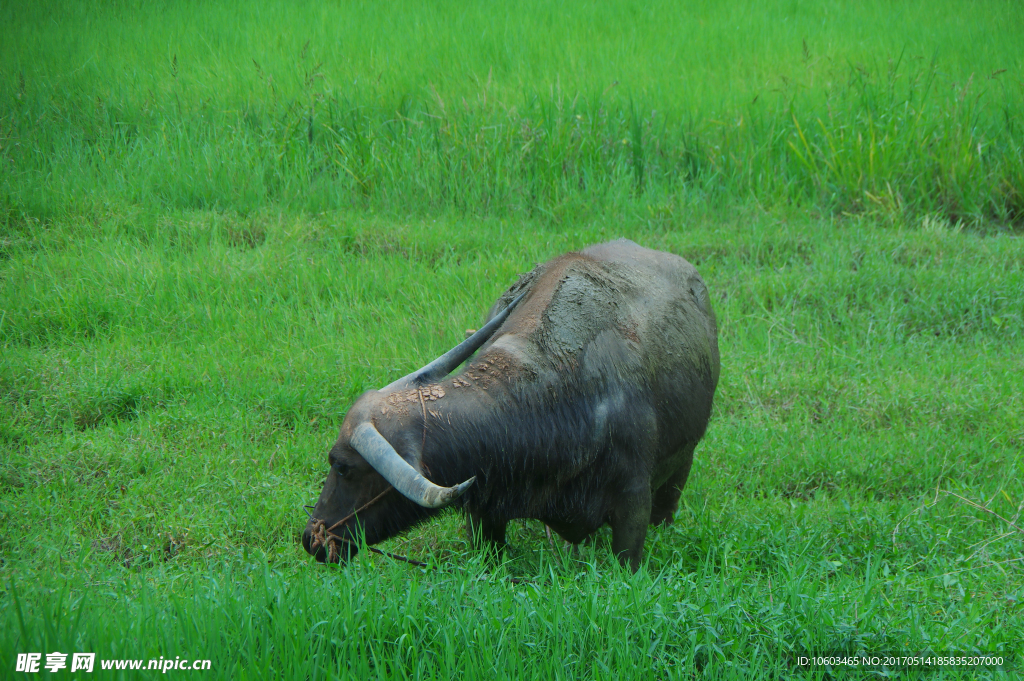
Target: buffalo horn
{"x":379,"y":453}
{"x":446,"y":363}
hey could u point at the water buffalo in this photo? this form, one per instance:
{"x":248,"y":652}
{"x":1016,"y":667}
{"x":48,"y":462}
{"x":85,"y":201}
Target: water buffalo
{"x":590,"y":390}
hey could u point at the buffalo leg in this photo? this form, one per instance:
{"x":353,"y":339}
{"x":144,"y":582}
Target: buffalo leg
{"x":485,"y":532}
{"x":629,"y":520}
{"x":666,"y":497}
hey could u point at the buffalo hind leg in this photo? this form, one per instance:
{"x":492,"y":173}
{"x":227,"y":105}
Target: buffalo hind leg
{"x":628,"y":519}
{"x":485,"y":533}
{"x":666,"y":497}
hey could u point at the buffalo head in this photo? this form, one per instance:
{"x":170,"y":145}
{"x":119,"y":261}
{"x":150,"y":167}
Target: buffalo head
{"x":376,"y":486}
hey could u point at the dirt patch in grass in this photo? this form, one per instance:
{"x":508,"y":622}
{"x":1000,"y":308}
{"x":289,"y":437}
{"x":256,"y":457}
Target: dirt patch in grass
{"x":117,"y":548}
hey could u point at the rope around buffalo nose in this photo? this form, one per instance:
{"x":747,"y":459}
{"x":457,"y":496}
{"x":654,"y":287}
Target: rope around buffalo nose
{"x":323,"y":536}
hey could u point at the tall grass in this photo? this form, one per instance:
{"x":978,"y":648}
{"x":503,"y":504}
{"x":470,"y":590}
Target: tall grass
{"x":554,"y":110}
{"x":379,"y":621}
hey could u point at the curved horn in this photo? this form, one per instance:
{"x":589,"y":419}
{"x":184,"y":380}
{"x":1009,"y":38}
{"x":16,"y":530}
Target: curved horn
{"x":446,"y":363}
{"x":379,"y":453}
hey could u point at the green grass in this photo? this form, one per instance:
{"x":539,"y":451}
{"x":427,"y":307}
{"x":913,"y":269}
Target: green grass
{"x":172,"y":388}
{"x":220,"y":223}
{"x":557,"y":110}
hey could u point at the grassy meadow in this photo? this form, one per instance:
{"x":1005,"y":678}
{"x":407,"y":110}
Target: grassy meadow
{"x":221,"y":222}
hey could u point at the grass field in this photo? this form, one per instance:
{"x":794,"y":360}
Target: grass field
{"x":219,"y":224}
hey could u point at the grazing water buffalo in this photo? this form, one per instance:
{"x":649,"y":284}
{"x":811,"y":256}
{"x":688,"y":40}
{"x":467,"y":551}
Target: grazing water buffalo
{"x":590,"y":390}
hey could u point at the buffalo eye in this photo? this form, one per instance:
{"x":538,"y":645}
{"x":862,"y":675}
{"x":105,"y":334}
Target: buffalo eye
{"x":342,"y":468}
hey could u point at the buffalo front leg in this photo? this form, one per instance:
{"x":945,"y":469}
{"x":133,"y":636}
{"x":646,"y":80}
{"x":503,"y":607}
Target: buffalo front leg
{"x":484,"y":532}
{"x":629,"y":520}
